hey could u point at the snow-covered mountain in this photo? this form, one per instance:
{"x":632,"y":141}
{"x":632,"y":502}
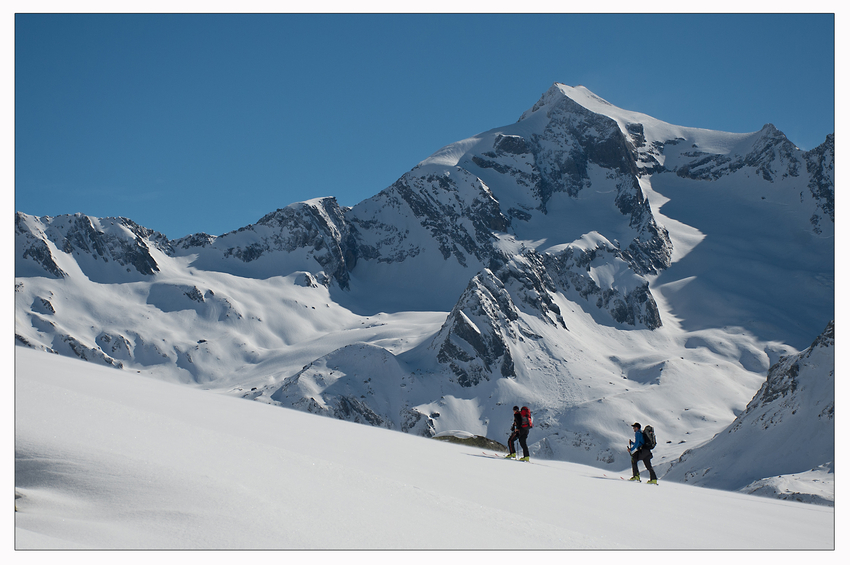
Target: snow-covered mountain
{"x":596,"y":264}
{"x":783,"y":444}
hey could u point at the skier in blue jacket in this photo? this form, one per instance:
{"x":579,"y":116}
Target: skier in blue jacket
{"x":641,"y":452}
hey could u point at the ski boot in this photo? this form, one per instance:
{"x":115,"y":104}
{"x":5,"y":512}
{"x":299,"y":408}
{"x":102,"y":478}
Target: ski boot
{"x":524,"y":459}
{"x":653,"y":482}
{"x":510,"y":456}
{"x":635,"y":478}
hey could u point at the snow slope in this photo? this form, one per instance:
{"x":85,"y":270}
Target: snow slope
{"x":783,"y":444}
{"x":111,"y":459}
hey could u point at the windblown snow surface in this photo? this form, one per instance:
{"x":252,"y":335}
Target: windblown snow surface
{"x":111,"y":459}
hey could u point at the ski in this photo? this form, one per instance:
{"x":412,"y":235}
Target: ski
{"x":621,"y":478}
{"x":498,"y":456}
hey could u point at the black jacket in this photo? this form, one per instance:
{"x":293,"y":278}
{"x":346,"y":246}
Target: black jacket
{"x":517,"y":422}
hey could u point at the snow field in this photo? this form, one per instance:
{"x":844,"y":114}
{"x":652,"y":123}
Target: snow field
{"x":111,"y":459}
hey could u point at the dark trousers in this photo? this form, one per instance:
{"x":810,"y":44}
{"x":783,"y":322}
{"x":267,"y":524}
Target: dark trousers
{"x":522,"y":435}
{"x":644,"y":455}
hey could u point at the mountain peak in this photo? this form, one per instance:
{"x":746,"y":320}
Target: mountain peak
{"x":560,"y":93}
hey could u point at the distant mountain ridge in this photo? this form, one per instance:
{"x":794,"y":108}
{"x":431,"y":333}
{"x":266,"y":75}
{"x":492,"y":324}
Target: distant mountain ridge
{"x":594,"y":263}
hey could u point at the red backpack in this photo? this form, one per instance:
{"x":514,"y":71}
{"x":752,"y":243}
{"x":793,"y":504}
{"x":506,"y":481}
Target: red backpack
{"x":527,"y":422}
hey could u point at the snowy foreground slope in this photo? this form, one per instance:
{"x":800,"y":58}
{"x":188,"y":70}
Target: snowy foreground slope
{"x":594,"y":263}
{"x":110,"y":459}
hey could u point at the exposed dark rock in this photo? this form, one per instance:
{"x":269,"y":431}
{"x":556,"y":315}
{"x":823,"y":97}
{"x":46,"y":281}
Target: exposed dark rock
{"x":573,"y":138}
{"x":771,"y":155}
{"x":783,"y":376}
{"x":820,"y":164}
{"x":446,"y":207}
{"x":473,"y":339}
{"x":475,"y":441}
{"x":513,"y":144}
{"x":632,"y":305}
{"x":36,"y":249}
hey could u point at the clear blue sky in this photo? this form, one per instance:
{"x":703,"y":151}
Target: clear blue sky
{"x":189,"y":123}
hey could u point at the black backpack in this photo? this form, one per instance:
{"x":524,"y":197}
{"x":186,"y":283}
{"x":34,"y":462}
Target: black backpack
{"x":649,"y":437}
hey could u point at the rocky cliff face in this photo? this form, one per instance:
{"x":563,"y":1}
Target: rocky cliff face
{"x":771,"y":155}
{"x":321,"y":227}
{"x":448,"y":208}
{"x":32,"y":253}
{"x":574,"y":138}
{"x":474,"y":341}
{"x":626,"y":297}
{"x":820,"y":165}
{"x":316,"y":229}
{"x":560,"y":151}
{"x":784,"y":391}
{"x":119,"y":241}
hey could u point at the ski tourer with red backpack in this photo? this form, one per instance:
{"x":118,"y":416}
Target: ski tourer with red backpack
{"x":519,"y":431}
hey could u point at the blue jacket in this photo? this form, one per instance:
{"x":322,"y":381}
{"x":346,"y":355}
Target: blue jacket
{"x":638,"y":442}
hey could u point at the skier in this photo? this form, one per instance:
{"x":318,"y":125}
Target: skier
{"x":641,"y":452}
{"x":519,"y":430}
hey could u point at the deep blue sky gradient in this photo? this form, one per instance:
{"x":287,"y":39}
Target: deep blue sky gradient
{"x":189,"y":123}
